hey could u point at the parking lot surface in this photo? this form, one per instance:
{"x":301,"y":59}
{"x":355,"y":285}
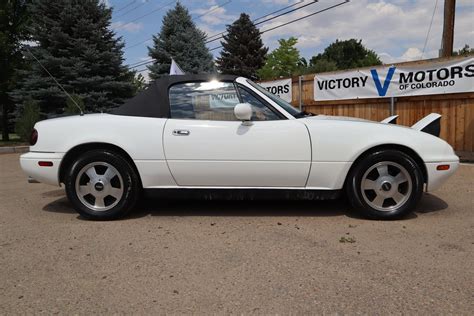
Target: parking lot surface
{"x":234,"y":257}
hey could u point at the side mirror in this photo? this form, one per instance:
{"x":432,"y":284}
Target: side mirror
{"x":243,"y":112}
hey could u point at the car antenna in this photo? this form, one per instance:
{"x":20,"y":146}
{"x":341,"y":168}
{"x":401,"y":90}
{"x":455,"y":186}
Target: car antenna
{"x":59,"y":85}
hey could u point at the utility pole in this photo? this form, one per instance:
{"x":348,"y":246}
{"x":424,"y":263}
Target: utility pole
{"x":448,"y":29}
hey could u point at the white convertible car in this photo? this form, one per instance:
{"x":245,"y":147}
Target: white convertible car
{"x":211,"y":135}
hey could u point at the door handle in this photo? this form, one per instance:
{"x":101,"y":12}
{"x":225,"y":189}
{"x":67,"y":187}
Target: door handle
{"x":181,"y":132}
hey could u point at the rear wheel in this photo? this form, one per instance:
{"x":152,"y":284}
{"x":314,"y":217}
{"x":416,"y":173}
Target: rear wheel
{"x":385,"y":184}
{"x":101,"y":184}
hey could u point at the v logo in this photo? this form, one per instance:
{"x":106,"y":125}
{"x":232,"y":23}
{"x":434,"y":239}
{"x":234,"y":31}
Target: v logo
{"x":382,"y":89}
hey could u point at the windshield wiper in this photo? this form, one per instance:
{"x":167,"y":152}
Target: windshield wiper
{"x":304,"y":114}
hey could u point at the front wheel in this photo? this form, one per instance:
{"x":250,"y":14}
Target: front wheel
{"x":385,"y":184}
{"x":102,"y":185}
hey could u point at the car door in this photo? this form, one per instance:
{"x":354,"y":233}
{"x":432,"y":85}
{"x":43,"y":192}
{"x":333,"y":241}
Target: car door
{"x":205,"y":145}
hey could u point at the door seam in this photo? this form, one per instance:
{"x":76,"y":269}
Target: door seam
{"x":311,"y":155}
{"x":164,"y":151}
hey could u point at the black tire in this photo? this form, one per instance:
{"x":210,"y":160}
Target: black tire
{"x":367,"y":167}
{"x":129,"y":184}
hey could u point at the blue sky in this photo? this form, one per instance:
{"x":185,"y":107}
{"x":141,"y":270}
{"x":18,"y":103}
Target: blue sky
{"x":395,"y":29}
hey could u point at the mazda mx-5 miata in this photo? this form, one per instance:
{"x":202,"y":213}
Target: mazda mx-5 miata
{"x":218,"y":135}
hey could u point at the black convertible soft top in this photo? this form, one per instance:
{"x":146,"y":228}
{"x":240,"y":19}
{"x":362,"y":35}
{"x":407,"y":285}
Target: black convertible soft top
{"x":154,"y":101}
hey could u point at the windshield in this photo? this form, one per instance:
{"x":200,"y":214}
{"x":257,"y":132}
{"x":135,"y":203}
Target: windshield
{"x":285,"y":105}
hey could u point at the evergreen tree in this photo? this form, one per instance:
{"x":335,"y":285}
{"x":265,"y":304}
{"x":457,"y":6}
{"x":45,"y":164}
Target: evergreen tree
{"x":180,"y":39}
{"x":284,"y":61}
{"x":14,"y":18}
{"x":77,"y":47}
{"x":243,"y":52}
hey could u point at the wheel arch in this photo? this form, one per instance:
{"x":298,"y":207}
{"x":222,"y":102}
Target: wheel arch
{"x":74,"y":152}
{"x":407,"y":150}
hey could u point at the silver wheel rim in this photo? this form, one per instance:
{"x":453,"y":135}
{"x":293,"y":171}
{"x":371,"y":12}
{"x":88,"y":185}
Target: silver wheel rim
{"x":99,"y":186}
{"x":386,"y":186}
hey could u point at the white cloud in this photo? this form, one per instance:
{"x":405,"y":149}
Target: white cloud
{"x":308,"y":41}
{"x":128,"y":27}
{"x":215,"y":15}
{"x":412,"y":53}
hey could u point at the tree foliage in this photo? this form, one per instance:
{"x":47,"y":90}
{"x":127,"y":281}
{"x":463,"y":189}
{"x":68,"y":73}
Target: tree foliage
{"x":14,"y":18}
{"x":180,"y":39}
{"x":74,"y":107}
{"x":77,"y":47}
{"x":465,"y":51}
{"x":342,"y":55}
{"x":27,"y":119}
{"x":284,"y":61}
{"x":243,"y":52}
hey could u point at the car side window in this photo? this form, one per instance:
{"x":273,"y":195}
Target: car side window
{"x":261,"y":111}
{"x":211,"y":100}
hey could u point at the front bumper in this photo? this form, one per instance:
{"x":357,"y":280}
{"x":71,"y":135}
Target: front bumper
{"x":30,"y":164}
{"x":437,"y":177}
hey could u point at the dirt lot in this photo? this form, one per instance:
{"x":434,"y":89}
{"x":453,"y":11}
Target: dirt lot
{"x":234,"y":257}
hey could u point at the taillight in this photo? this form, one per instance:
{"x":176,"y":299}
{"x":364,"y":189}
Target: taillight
{"x":33,"y":137}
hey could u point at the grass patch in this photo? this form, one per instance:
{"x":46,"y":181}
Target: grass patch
{"x":14,"y":141}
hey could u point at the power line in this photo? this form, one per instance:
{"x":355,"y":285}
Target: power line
{"x":279,"y":10}
{"x":295,"y":20}
{"x":262,"y":32}
{"x":429,"y":29}
{"x":149,"y":13}
{"x":126,"y":6}
{"x":212,"y":9}
{"x":145,"y":62}
{"x":211,"y":39}
{"x":132,"y":9}
{"x":269,"y":19}
{"x":199,"y":16}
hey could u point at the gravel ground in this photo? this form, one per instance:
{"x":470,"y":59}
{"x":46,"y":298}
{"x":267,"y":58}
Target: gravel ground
{"x":234,"y":257}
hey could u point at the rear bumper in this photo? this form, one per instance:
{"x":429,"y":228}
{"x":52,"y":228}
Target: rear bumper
{"x":437,"y":177}
{"x":30,"y":164}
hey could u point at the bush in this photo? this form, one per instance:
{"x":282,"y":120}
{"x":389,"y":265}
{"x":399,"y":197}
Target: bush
{"x":27,"y":120}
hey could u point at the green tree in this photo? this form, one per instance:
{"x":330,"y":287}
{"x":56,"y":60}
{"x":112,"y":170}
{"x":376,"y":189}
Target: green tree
{"x":345,"y":55}
{"x":465,"y":51}
{"x":14,"y":19}
{"x":321,"y":65}
{"x":243,"y":52}
{"x":139,"y":83}
{"x":181,"y":40}
{"x":77,"y":47}
{"x":29,"y":115}
{"x":284,"y":61}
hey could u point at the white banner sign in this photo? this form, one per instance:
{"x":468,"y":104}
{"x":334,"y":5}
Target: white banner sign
{"x":281,"y":88}
{"x":223,"y":100}
{"x":397,"y":81}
